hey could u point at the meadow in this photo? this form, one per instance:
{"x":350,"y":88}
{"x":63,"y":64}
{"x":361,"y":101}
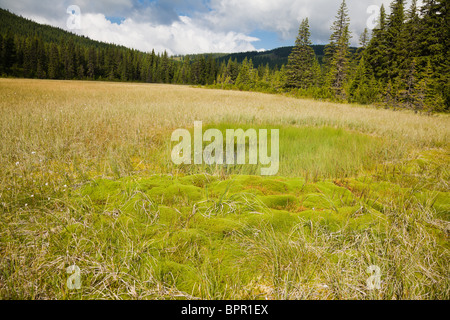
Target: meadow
{"x":86,"y":179}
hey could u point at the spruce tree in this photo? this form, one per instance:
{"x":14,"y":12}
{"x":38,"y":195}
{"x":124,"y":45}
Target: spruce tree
{"x":69,"y":60}
{"x":376,"y":52}
{"x":364,"y":39}
{"x":299,"y":70}
{"x":316,"y":73}
{"x":29,"y":58}
{"x":246,"y":78}
{"x":339,"y":26}
{"x":91,"y":63}
{"x":53,"y":63}
{"x":434,"y":44}
{"x":428,"y":98}
{"x":338,"y":62}
{"x":1,"y":54}
{"x":394,"y":39}
{"x":8,"y":53}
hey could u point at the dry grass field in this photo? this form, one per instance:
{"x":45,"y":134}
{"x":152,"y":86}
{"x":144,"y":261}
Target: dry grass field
{"x":86,"y":179}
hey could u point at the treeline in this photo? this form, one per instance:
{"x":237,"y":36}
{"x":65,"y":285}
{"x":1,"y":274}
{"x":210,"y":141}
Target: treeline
{"x":274,"y":58}
{"x":403,"y":63}
{"x":31,"y":50}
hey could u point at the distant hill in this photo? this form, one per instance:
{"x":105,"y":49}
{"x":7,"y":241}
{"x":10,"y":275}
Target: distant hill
{"x":22,"y":27}
{"x":275,"y":57}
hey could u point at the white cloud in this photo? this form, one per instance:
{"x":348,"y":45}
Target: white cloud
{"x":180,"y":37}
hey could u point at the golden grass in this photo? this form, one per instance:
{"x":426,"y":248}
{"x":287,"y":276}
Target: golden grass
{"x":56,"y":134}
{"x":68,"y":120}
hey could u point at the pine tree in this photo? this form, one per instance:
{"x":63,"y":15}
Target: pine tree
{"x":198,"y":70}
{"x":409,"y":94}
{"x":69,"y":60}
{"x":165,"y":68}
{"x":91,"y":63}
{"x":394,"y":39}
{"x":376,"y":52}
{"x":364,"y":39}
{"x":80,"y":72}
{"x":299,"y":70}
{"x":434,"y":43}
{"x":155,"y":72}
{"x":316,"y":73}
{"x":8,"y":53}
{"x":41,"y":60}
{"x":339,"y":26}
{"x":53,"y":63}
{"x":246,"y":77}
{"x":338,"y":62}
{"x":428,"y":98}
{"x":231,"y":71}
{"x":407,"y":42}
{"x":1,"y":54}
{"x":279,"y":78}
{"x":30,"y":61}
{"x":265,"y":79}
{"x":185,"y":74}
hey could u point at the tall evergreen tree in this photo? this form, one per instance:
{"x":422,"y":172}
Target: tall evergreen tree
{"x":299,"y":70}
{"x":434,"y":44}
{"x":364,"y":39}
{"x":338,"y":62}
{"x":338,"y":28}
{"x":1,"y":54}
{"x":376,"y":52}
{"x":363,"y":88}
{"x":246,"y":78}
{"x":91,"y":63}
{"x":394,"y":40}
{"x":8,"y":52}
{"x":69,"y":60}
{"x":53,"y":63}
{"x":41,"y":55}
{"x":30,"y":58}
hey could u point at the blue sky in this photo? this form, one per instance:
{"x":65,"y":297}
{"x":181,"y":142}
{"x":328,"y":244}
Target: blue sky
{"x":198,"y":26}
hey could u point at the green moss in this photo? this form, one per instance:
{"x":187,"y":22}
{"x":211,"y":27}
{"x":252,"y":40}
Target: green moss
{"x":267,"y":185}
{"x":178,"y":275}
{"x":168,"y":216}
{"x":100,"y":190}
{"x":288,"y":202}
{"x":281,"y":220}
{"x":198,"y":180}
{"x":442,"y":205}
{"x":189,"y":237}
{"x":148,"y":184}
{"x":327,"y":219}
{"x":203,"y":230}
{"x":317,"y":201}
{"x":176,"y":193}
{"x":217,"y":226}
{"x":220,"y":189}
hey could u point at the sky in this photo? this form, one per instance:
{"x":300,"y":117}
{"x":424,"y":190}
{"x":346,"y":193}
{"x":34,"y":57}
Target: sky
{"x":197,"y":26}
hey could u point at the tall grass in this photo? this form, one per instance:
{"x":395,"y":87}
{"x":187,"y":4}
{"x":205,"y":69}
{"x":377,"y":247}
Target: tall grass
{"x":208,"y":240}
